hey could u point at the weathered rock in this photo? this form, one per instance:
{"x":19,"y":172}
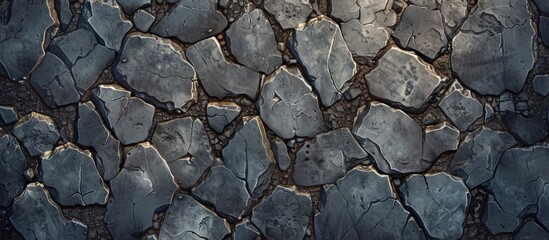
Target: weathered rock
{"x":221,"y":114}
{"x":36,"y":216}
{"x":493,"y":51}
{"x":403,"y":80}
{"x":488,"y":113}
{"x":440,"y":201}
{"x":289,"y":106}
{"x":8,"y":115}
{"x":541,"y":84}
{"x":280,"y":152}
{"x":63,"y":9}
{"x":249,"y":156}
{"x":37,"y":132}
{"x":439,"y":139}
{"x":12,"y":167}
{"x":130,"y":6}
{"x":461,"y":108}
{"x":245,"y":231}
{"x":289,"y":13}
{"x":154,"y":69}
{"x":527,"y":130}
{"x":219,"y":77}
{"x":143,"y":20}
{"x":352,"y":93}
{"x":320,"y":49}
{"x":543,"y":204}
{"x":104,"y":18}
{"x":224,"y":3}
{"x":531,"y":230}
{"x":284,"y":214}
{"x":320,"y":161}
{"x":188,"y":219}
{"x":71,"y":176}
{"x":144,"y":185}
{"x":496,"y":220}
{"x":543,"y":29}
{"x":364,"y":41}
{"x":378,"y":12}
{"x":191,"y":21}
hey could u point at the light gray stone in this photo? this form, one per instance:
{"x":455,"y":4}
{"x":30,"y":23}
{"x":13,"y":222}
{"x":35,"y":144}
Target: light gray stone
{"x":364,"y":41}
{"x":461,"y":108}
{"x":104,"y":18}
{"x":12,"y":167}
{"x":221,"y":114}
{"x":143,"y":20}
{"x":280,"y":152}
{"x":37,"y":132}
{"x":289,"y":13}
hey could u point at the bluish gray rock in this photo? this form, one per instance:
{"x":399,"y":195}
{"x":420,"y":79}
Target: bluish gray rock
{"x":8,"y":115}
{"x":104,"y":18}
{"x":37,"y":132}
{"x":289,"y":13}
{"x":439,"y":139}
{"x":130,"y":6}
{"x":461,"y":108}
{"x":541,"y":84}
{"x":143,"y":20}
{"x":496,"y":220}
{"x":543,"y":30}
{"x":527,"y":130}
{"x":488,"y":113}
{"x":531,"y":230}
{"x":64,"y":13}
{"x":12,"y":167}
{"x":245,"y":231}
{"x":280,"y":152}
{"x":221,"y":114}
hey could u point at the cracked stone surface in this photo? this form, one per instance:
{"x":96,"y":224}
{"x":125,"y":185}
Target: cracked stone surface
{"x":531,"y":230}
{"x":155,"y":69}
{"x":104,"y":18}
{"x":35,"y":203}
{"x":440,"y":201}
{"x":527,"y":130}
{"x":289,"y":13}
{"x":8,"y":115}
{"x":496,"y":220}
{"x":320,"y":161}
{"x":221,"y":114}
{"x":280,"y":151}
{"x":71,"y":176}
{"x":144,"y":185}
{"x":364,"y":41}
{"x":461,"y":108}
{"x":245,"y":231}
{"x":143,"y":20}
{"x":364,"y":10}
{"x":438,"y":139}
{"x":12,"y":167}
{"x":37,"y":132}
{"x":64,"y":13}
{"x":284,"y":214}
{"x":288,"y":105}
{"x":130,"y":6}
{"x":541,"y":84}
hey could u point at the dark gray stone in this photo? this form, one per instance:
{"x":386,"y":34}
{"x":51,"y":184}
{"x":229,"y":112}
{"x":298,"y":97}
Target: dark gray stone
{"x":104,"y":18}
{"x":37,"y":132}
{"x":439,"y":139}
{"x":320,"y":161}
{"x":289,"y":106}
{"x":543,"y":28}
{"x":364,"y":10}
{"x":289,"y":13}
{"x":219,"y":77}
{"x":543,"y":207}
{"x":352,"y":93}
{"x":461,"y":108}
{"x":130,"y":6}
{"x":284,"y":214}
{"x":488,"y":113}
{"x":496,"y":220}
{"x":8,"y":115}
{"x":280,"y":152}
{"x":221,"y":114}
{"x":224,"y":3}
{"x":541,"y":83}
{"x":531,"y":231}
{"x":364,"y":41}
{"x":527,"y":130}
{"x":36,"y":216}
{"x":12,"y":167}
{"x":143,"y":20}
{"x":543,"y":6}
{"x":245,"y":231}
{"x":64,"y":13}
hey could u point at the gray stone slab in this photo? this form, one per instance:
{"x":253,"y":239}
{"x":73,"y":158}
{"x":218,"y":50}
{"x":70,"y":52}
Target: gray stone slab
{"x":488,"y":113}
{"x":541,"y":83}
{"x":221,"y":114}
{"x":245,"y":231}
{"x":543,"y":29}
{"x":130,"y":6}
{"x":496,"y":220}
{"x":543,"y":6}
{"x":37,"y":132}
{"x":64,"y":13}
{"x":543,"y":203}
{"x":289,"y":13}
{"x":527,"y":130}
{"x":106,"y":21}
{"x":280,"y":152}
{"x":8,"y":115}
{"x":531,"y":230}
{"x":438,"y":139}
{"x":143,"y":20}
{"x":364,"y":40}
{"x":364,"y":10}
{"x":12,"y":167}
{"x":461,"y":108}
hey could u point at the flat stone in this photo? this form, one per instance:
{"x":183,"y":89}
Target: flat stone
{"x":543,"y":6}
{"x":155,"y":69}
{"x":71,"y":176}
{"x":478,"y":155}
{"x":219,"y":77}
{"x":221,"y":114}
{"x":352,"y":93}
{"x":252,"y":41}
{"x":364,"y":10}
{"x":289,"y":13}
{"x":249,"y":156}
{"x":328,"y":64}
{"x":496,"y":220}
{"x":454,"y":12}
{"x":47,"y":221}
{"x":284,"y":214}
{"x":64,"y":13}
{"x":24,"y":35}
{"x":488,"y":113}
{"x":391,"y":137}
{"x":130,"y":6}
{"x":531,"y":230}
{"x":143,"y":186}
{"x":364,"y":41}
{"x":12,"y":167}
{"x":245,"y":231}
{"x":289,"y":106}
{"x":37,"y":132}
{"x":8,"y":115}
{"x":439,"y":139}
{"x":541,"y":84}
{"x":501,"y":47}
{"x":403,"y":80}
{"x":527,"y":130}
{"x":461,"y":108}
{"x":543,"y":213}
{"x":543,"y":29}
{"x":188,"y":219}
{"x":225,"y":191}
{"x":320,"y":161}
{"x":280,"y":152}
{"x":440,"y":201}
{"x":191,"y":21}
{"x":143,"y":20}
{"x":104,"y":18}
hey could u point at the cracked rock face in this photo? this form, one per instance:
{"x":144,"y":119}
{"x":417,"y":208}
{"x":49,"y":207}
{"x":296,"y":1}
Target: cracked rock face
{"x":104,"y":18}
{"x":245,"y":231}
{"x":320,"y":161}
{"x":219,"y":77}
{"x":37,"y":132}
{"x":461,"y":108}
{"x":155,"y":69}
{"x":289,"y":106}
{"x":320,"y":49}
{"x":25,"y":36}
{"x":251,"y":40}
{"x":191,"y":21}
{"x":364,"y":41}
{"x":188,"y":219}
{"x":531,"y":230}
{"x":8,"y":115}
{"x":440,"y":201}
{"x":130,"y":6}
{"x":48,"y":222}
{"x":364,"y":10}
{"x":283,"y":215}
{"x":221,"y":114}
{"x":439,"y":139}
{"x":71,"y":176}
{"x":496,"y":220}
{"x":144,"y":185}
{"x":280,"y":151}
{"x":493,"y":51}
{"x":289,"y":13}
{"x":527,"y":130}
{"x":403,"y":80}
{"x":12,"y":167}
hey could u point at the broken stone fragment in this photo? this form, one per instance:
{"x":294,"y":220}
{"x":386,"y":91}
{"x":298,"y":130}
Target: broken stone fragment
{"x":439,"y":139}
{"x":289,"y":13}
{"x":289,"y":106}
{"x":104,"y":18}
{"x":36,"y":216}
{"x":496,"y":220}
{"x":461,"y":108}
{"x":364,"y":41}
{"x":280,"y":152}
{"x":143,"y":20}
{"x":64,"y":13}
{"x":527,"y":130}
{"x":245,"y":231}
{"x":221,"y":114}
{"x":488,"y":113}
{"x":191,"y":21}
{"x":12,"y":167}
{"x":130,"y":6}
{"x":364,"y":10}
{"x":543,"y":29}
{"x":531,"y":230}
{"x":37,"y":132}
{"x":155,"y":69}
{"x":219,"y":77}
{"x":320,"y":161}
{"x":71,"y":176}
{"x":284,"y":214}
{"x":541,"y":84}
{"x":328,"y":64}
{"x":8,"y":115}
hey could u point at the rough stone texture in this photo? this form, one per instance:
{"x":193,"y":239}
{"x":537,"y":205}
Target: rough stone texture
{"x":544,"y":30}
{"x":144,"y":185}
{"x":8,"y":115}
{"x":392,"y":138}
{"x":283,"y":215}
{"x":527,"y":130}
{"x":249,"y":156}
{"x":251,"y":40}
{"x":493,"y":51}
{"x":191,"y":21}
{"x":320,"y":49}
{"x":289,"y":106}
{"x":531,"y":230}
{"x":364,"y":41}
{"x":403,"y":80}
{"x":541,"y":84}
{"x":439,"y":139}
{"x":440,"y":201}
{"x":488,"y":113}
{"x":496,"y":220}
{"x":71,"y":176}
{"x":280,"y":152}
{"x":130,"y":6}
{"x":461,"y":108}
{"x":543,"y":204}
{"x":221,"y":114}
{"x":364,"y":10}
{"x":155,"y":69}
{"x":62,"y":7}
{"x":219,"y":77}
{"x":188,"y":219}
{"x":320,"y":161}
{"x":37,"y":132}
{"x":143,"y":20}
{"x":104,"y":18}
{"x":289,"y":13}
{"x":47,"y":221}
{"x":245,"y":231}
{"x":12,"y":167}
